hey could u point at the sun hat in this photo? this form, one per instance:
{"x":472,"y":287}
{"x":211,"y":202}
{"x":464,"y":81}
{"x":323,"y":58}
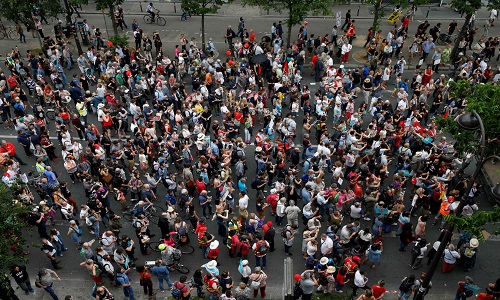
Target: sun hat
{"x":214,"y":244}
{"x":323,"y":260}
{"x":474,"y":243}
{"x":330,"y":270}
{"x":211,"y":264}
{"x":170,"y":209}
{"x":244,"y":262}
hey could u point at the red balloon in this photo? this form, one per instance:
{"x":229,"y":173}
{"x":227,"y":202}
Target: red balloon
{"x":297,"y":277}
{"x":228,"y":52}
{"x":128,"y":73}
{"x":230,"y":62}
{"x":247,"y":45}
{"x":110,"y":43}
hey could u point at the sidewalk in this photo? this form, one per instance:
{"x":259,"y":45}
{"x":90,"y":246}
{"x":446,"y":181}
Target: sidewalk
{"x":358,"y":10}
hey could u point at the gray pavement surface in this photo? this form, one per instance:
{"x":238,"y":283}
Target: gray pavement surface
{"x":76,"y":281}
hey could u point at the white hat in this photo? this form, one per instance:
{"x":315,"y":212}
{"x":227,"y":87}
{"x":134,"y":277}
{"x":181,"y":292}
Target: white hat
{"x":244,"y":262}
{"x":341,"y":66}
{"x":170,"y":209}
{"x":323,"y":45}
{"x":68,"y":98}
{"x":214,"y":244}
{"x":201,"y":136}
{"x":100,"y":105}
{"x":211,"y":264}
{"x":273,"y":191}
{"x":248,"y":91}
{"x":474,"y":243}
{"x":258,"y":149}
{"x":323,"y":260}
{"x":330,"y":270}
{"x":184,"y":191}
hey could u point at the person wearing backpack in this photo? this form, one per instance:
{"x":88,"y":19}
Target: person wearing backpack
{"x":181,"y":289}
{"x":145,"y":280}
{"x":418,"y":253}
{"x":123,"y":281}
{"x":463,"y":292}
{"x":258,"y":282}
{"x":260,"y":249}
{"x":406,"y":287}
{"x":288,"y":236}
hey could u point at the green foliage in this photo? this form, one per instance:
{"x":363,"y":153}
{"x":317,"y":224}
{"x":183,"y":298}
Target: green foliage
{"x":202,"y":7}
{"x":475,"y":224}
{"x":297,"y":10}
{"x":485,"y":100}
{"x":471,"y":6}
{"x":13,"y":228}
{"x":22,"y":10}
{"x":121,"y":40}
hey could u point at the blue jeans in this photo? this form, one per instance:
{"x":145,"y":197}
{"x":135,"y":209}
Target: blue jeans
{"x":68,"y":63}
{"x":59,"y":248}
{"x":128,"y":291}
{"x":51,"y":292}
{"x":264,"y":261}
{"x":167,"y":279}
{"x":95,"y":228}
{"x":404,"y":296}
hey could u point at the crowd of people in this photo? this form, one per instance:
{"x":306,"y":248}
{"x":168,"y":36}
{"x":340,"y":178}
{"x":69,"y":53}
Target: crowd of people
{"x":339,"y":167}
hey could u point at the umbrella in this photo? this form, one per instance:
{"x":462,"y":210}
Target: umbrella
{"x":257,"y":59}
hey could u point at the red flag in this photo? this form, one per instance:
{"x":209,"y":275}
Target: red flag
{"x":446,"y":114}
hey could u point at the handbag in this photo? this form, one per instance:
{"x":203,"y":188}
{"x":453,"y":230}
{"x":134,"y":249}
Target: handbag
{"x":255,"y":285}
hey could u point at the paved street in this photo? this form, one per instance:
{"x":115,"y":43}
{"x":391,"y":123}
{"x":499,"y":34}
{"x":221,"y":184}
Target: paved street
{"x":76,"y":281}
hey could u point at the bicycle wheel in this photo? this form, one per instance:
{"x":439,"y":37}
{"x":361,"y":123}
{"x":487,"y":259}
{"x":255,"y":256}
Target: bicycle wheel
{"x":51,"y":114}
{"x":182,"y":269}
{"x":154,"y":219}
{"x":161,"y":21}
{"x":128,"y":216}
{"x":154,"y":246}
{"x":186,"y":249}
{"x":12,"y":34}
{"x":147,"y":19}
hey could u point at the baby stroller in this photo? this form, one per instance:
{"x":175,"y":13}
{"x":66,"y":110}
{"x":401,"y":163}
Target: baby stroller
{"x":89,"y":74}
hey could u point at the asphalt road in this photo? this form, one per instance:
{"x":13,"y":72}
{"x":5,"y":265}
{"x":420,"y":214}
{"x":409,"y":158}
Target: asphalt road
{"x":394,"y":265}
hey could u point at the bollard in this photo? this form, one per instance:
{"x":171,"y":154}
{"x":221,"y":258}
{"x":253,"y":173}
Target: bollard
{"x":140,"y":5}
{"x":288,"y":281}
{"x":358,"y":11}
{"x":175,"y":8}
{"x":428,"y":11}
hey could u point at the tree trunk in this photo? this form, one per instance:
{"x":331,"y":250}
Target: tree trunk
{"x":461,"y":34}
{"x":112,"y":14}
{"x":289,"y":29}
{"x":203,"y":33}
{"x":376,"y":16}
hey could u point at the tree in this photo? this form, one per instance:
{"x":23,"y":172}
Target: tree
{"x":201,"y":8}
{"x":23,"y":10}
{"x":297,"y":10}
{"x":14,"y":228}
{"x":483,"y":98}
{"x":475,"y":224}
{"x":380,"y":6}
{"x":103,"y":5}
{"x":469,"y":8}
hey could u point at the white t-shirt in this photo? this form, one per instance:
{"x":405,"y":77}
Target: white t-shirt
{"x":243,"y":202}
{"x":326,"y":244}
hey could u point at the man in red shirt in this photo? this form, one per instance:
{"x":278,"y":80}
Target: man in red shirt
{"x":379,"y":289}
{"x":9,"y":148}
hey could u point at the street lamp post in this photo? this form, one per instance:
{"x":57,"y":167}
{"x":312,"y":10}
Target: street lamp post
{"x":471,"y":121}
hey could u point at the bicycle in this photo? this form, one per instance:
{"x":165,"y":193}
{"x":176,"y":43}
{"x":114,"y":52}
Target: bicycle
{"x":174,"y":266}
{"x":153,"y":213}
{"x":7,"y":32}
{"x":444,"y":39}
{"x":148,"y":19}
{"x":185,"y":248}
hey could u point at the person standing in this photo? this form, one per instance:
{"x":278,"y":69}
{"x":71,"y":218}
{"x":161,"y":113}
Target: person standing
{"x":162,"y":273}
{"x":20,"y":31}
{"x":307,"y":283}
{"x":21,"y":276}
{"x":258,"y":282}
{"x":360,"y":281}
{"x":122,"y":278}
{"x":230,"y":34}
{"x":10,"y":149}
{"x":450,"y":258}
{"x":288,"y":238}
{"x":45,"y":280}
{"x":260,"y":249}
{"x":145,"y":280}
{"x":292,"y":214}
{"x":50,"y":251}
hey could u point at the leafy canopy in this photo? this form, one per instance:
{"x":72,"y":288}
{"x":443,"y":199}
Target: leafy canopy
{"x":13,"y":228}
{"x":22,"y":10}
{"x":202,"y":7}
{"x":485,"y":100}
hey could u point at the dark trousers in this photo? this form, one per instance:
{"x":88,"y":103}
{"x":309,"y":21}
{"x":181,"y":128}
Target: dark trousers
{"x":147,"y":285}
{"x":51,"y":292}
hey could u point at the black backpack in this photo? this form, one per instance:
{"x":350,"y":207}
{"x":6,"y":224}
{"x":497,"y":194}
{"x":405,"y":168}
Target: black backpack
{"x":405,"y":286}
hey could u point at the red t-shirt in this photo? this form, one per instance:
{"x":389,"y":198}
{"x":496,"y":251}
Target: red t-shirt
{"x":484,"y":296}
{"x":340,"y":278}
{"x":378,"y":291}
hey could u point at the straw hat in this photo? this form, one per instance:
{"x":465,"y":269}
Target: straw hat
{"x":323,"y":260}
{"x":330,"y":270}
{"x":213,"y":245}
{"x":211,"y":264}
